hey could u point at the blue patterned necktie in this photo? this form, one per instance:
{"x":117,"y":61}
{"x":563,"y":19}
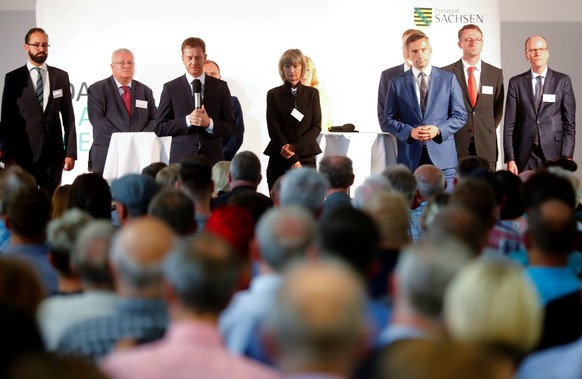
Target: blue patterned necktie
{"x":39,"y":87}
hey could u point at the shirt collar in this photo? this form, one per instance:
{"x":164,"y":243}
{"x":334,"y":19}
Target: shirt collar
{"x":467,"y":65}
{"x":544,"y":74}
{"x":30,"y":66}
{"x":119,"y":85}
{"x":427,"y":71}
{"x":202,"y":78}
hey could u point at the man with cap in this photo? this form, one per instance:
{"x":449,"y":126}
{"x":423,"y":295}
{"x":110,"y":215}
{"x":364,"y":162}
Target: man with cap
{"x":132,"y":194}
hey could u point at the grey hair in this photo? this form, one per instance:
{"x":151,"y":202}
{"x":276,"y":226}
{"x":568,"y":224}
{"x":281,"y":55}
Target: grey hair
{"x":424,"y":272}
{"x":304,"y":187}
{"x":90,"y":256}
{"x":62,"y":232}
{"x":372,"y":184}
{"x":118,"y":51}
{"x":401,"y":180}
{"x":246,"y":166}
{"x":284,"y":234}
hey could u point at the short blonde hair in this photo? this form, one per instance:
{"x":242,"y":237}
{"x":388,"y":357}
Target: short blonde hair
{"x":292,"y":56}
{"x":220,"y":172}
{"x":492,"y":302}
{"x":390,"y":212}
{"x":314,"y":77}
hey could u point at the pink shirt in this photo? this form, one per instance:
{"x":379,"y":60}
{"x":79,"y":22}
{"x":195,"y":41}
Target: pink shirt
{"x":192,"y":350}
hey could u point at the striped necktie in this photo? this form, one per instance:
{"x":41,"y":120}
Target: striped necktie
{"x":39,"y":87}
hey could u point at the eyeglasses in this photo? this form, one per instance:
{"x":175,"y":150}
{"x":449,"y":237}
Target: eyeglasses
{"x":39,"y":46}
{"x":536,"y":51}
{"x":471,"y":40}
{"x":123,"y":63}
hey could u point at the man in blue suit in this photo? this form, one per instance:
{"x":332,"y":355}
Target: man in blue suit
{"x":118,"y":104}
{"x":424,"y":109}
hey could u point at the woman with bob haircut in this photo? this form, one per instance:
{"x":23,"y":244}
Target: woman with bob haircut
{"x":293,"y":119}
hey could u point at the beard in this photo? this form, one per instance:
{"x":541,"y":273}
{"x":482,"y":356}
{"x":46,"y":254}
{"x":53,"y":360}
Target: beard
{"x":39,"y":58}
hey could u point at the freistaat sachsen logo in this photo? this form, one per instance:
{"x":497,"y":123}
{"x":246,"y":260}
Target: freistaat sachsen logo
{"x":422,"y":16}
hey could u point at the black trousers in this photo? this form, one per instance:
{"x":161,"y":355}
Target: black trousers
{"x":278,"y":166}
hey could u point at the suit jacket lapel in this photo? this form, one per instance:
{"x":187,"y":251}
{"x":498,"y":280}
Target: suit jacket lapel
{"x":460,"y":74}
{"x":528,"y":89}
{"x":118,"y":100}
{"x":433,"y":84}
{"x":410,"y":84}
{"x":187,"y":91}
{"x":548,"y":87}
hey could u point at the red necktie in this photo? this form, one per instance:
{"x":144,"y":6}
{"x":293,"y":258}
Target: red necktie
{"x":126,"y":97}
{"x":472,"y":87}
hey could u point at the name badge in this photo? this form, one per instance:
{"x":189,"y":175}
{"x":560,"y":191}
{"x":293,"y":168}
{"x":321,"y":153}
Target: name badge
{"x":487,"y":90}
{"x":57,"y":93}
{"x":298,"y":115}
{"x":141,"y":104}
{"x":548,"y":98}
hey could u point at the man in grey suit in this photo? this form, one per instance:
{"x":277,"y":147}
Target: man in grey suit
{"x":36,"y":97}
{"x":118,"y":104}
{"x":391,"y":73}
{"x":195,"y":131}
{"x":482,"y":85}
{"x":540,"y":113}
{"x":424,"y":109}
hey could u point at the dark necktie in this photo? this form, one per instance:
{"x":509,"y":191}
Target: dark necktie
{"x":472,"y":84}
{"x":423,"y":90}
{"x":39,"y":87}
{"x":126,"y":97}
{"x":539,"y":91}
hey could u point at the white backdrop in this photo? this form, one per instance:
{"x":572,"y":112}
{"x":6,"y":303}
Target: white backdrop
{"x":350,"y":43}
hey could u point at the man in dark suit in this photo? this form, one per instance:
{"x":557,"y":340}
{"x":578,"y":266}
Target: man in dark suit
{"x":424,"y":109}
{"x":195,"y":131}
{"x":118,"y":104}
{"x":391,"y":73}
{"x":35,"y":99}
{"x":482,"y":85}
{"x":540,"y":114}
{"x":233,"y":143}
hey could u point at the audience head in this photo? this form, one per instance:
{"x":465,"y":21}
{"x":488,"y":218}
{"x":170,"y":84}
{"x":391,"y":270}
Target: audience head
{"x":391,"y":213}
{"x":20,"y":286}
{"x":434,"y":206}
{"x":254,"y":202}
{"x":235,"y":225}
{"x":60,"y":200}
{"x":132,"y":194}
{"x":372,"y":184}
{"x":477,"y":196}
{"x":351,"y":235}
{"x":152,"y":169}
{"x":401,"y":180}
{"x":430,"y":181}
{"x":195,"y":178}
{"x":304,"y":187}
{"x":40,"y":365}
{"x":275,"y":191}
{"x":512,"y":190}
{"x":90,"y":258}
{"x":338,"y":170}
{"x":136,"y":255}
{"x":12,"y":179}
{"x":423,"y":273}
{"x":62,"y":234}
{"x":285,"y":234}
{"x":292,"y":57}
{"x":29,"y":212}
{"x":543,"y":186}
{"x":318,"y":322}
{"x":491,"y":302}
{"x":176,"y":209}
{"x":470,"y":163}
{"x":246,"y":166}
{"x":202,"y":274}
{"x":220,"y":172}
{"x":459,"y":222}
{"x":551,"y":229}
{"x":90,"y":193}
{"x":574,"y":180}
{"x":168,"y":176}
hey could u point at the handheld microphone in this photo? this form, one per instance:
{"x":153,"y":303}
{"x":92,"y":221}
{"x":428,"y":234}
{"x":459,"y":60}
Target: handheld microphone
{"x":197,"y":87}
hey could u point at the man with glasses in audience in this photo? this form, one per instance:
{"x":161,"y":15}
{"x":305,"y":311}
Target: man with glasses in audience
{"x":118,"y":104}
{"x":36,"y":97}
{"x":483,"y":91}
{"x":540,"y":113}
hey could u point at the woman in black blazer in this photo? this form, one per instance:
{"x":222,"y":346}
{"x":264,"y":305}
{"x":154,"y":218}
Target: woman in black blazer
{"x":293,"y":119}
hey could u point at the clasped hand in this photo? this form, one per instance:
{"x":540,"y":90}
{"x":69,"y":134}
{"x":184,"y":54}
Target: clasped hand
{"x":199,"y":118}
{"x":424,"y":133}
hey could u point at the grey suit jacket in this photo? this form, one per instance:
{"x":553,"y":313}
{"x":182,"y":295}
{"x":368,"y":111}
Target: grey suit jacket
{"x":485,"y":116}
{"x":555,"y":118}
{"x":108,"y":115}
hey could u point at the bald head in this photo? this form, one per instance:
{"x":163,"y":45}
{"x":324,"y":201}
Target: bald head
{"x":318,"y":319}
{"x":430,"y":181}
{"x":137,"y":253}
{"x":552,"y":228}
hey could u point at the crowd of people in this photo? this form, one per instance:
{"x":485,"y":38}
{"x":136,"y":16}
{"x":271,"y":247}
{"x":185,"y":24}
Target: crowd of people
{"x":437,"y":267}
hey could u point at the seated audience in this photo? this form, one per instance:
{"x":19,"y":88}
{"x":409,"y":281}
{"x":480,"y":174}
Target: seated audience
{"x":132,"y":194}
{"x":195,"y":180}
{"x":152,"y":169}
{"x":304,"y":187}
{"x":220,"y":175}
{"x":90,"y":193}
{"x":339,"y":172}
{"x":176,"y":209}
{"x":430,"y":182}
{"x":60,"y":199}
{"x":168,"y":176}
{"x":372,"y":184}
